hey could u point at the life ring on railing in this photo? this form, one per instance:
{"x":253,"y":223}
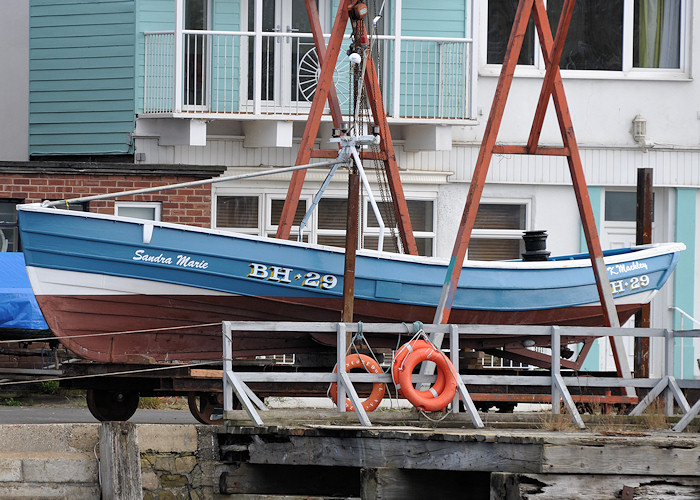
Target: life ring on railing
{"x":432,"y":399}
{"x":356,"y":362}
{"x":400,"y":356}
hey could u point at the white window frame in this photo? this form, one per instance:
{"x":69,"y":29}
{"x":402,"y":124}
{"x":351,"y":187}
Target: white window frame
{"x":627,"y":72}
{"x":156,"y":205}
{"x":374,"y":231}
{"x":268,"y":228}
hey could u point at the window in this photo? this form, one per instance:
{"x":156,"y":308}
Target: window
{"x":327,"y":223}
{"x":498,"y":231}
{"x":238,"y":212}
{"x":621,"y":206}
{"x":275,"y":212}
{"x":195,"y":49}
{"x":9,"y":229}
{"x":604,"y":35}
{"x":422,"y":221}
{"x":138,"y":210}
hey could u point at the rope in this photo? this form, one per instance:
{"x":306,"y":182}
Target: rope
{"x":167,"y":328}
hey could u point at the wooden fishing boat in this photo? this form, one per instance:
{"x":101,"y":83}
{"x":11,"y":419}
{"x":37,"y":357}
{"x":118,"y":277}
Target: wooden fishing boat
{"x":155,"y":291}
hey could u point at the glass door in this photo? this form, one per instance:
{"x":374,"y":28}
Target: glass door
{"x":196,"y":78}
{"x":289,"y":64}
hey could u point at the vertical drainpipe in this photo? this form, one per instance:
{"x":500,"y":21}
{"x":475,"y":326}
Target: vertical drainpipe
{"x":683,"y":279}
{"x":396,"y":91}
{"x":177,"y":53}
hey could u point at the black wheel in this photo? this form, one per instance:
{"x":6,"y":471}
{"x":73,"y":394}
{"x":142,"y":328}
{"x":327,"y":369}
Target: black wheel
{"x":207,"y":407}
{"x":112,"y":405}
{"x":505,"y":407}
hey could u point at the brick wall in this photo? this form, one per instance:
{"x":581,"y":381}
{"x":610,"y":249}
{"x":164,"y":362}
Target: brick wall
{"x":190,"y":205}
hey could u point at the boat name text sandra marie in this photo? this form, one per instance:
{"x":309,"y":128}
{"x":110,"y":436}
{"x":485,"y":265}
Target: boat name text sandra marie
{"x":180,"y":260}
{"x":626,"y":267}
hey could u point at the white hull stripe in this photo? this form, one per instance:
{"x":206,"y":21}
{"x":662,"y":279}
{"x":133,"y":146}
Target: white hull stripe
{"x":59,"y":282}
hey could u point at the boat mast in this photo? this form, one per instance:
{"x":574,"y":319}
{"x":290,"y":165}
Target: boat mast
{"x":325,"y":91}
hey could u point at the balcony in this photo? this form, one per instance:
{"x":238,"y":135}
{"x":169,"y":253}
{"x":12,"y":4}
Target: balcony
{"x":273,"y":75}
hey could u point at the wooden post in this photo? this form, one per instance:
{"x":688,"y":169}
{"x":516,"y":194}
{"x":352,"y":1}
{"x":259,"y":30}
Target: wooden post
{"x":120,"y":464}
{"x":645,"y":210}
{"x":351,"y":236}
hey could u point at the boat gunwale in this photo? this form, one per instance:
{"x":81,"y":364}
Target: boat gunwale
{"x":639,"y":252}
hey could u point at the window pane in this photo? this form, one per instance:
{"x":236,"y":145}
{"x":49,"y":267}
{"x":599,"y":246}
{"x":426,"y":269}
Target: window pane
{"x":493,"y":249}
{"x":8,"y":226}
{"x":8,"y":239}
{"x":500,"y":216}
{"x":331,"y":240}
{"x":424,"y":245}
{"x":501,"y":16}
{"x":276,"y":212}
{"x":622,"y":206}
{"x":657,"y":35}
{"x":420,"y":212}
{"x":390,"y":244}
{"x":237,"y":211}
{"x":594,"y":40}
{"x":148,"y":213}
{"x":8,"y":212}
{"x":332,"y":214}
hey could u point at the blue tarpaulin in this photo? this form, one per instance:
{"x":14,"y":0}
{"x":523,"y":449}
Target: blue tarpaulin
{"x":18,"y":307}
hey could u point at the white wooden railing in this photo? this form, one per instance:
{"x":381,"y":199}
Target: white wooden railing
{"x":235,"y":383}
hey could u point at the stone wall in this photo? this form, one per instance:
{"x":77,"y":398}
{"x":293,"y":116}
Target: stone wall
{"x":61,"y":461}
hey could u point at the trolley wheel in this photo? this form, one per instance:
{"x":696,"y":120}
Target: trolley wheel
{"x":112,"y":405}
{"x":207,"y":407}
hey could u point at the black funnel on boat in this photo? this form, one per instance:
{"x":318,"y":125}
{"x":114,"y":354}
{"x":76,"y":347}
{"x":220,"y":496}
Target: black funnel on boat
{"x":535,"y":246}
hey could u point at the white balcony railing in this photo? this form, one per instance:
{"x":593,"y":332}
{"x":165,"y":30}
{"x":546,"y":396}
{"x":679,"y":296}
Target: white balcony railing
{"x":228,"y":73}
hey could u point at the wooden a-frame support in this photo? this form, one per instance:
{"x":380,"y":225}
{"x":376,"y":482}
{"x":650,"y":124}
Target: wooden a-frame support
{"x":551,"y":87}
{"x":325,"y":91}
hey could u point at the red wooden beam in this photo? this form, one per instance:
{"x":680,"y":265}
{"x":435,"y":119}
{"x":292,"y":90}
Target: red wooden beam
{"x":325,"y":83}
{"x":376,"y":104}
{"x":522,"y":16}
{"x":551,"y":52}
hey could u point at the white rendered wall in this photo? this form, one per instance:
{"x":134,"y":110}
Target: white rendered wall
{"x":14,"y":84}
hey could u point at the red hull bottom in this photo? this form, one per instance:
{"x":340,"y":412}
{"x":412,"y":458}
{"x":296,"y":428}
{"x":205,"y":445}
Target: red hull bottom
{"x":147,"y":328}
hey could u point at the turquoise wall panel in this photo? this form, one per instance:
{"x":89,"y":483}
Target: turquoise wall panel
{"x":433,"y":70}
{"x":595,"y":193}
{"x":683,"y":280}
{"x":81,"y":77}
{"x":155,"y":15}
{"x":226,"y":57}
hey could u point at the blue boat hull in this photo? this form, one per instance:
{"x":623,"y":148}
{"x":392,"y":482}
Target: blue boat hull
{"x":100,"y":274}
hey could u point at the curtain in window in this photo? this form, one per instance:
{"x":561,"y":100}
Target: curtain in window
{"x":658,"y":33}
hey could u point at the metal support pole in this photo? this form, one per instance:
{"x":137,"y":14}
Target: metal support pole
{"x":556,"y":366}
{"x":669,"y":340}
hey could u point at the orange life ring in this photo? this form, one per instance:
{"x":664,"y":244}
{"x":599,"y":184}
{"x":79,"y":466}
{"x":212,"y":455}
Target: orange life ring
{"x":399,"y":358}
{"x":356,"y":362}
{"x":430,"y":400}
